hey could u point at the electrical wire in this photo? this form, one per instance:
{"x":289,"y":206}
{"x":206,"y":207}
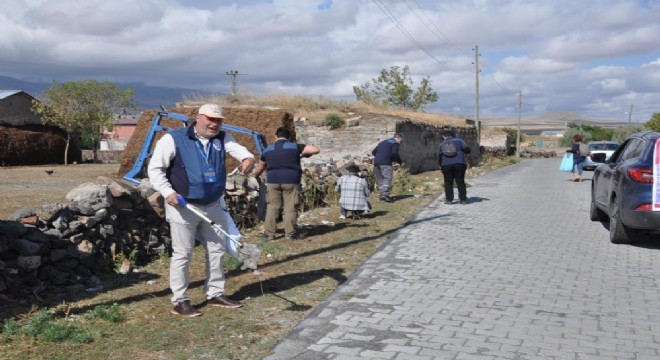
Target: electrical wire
{"x":405,"y":32}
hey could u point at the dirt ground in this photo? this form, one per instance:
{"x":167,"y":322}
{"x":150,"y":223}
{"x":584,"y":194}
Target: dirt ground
{"x":25,"y":187}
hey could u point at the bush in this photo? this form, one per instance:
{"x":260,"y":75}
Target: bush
{"x":334,"y":121}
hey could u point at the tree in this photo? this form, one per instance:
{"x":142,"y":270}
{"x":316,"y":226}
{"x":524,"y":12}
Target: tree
{"x":654,"y":122}
{"x":394,"y":87}
{"x":83,"y":107}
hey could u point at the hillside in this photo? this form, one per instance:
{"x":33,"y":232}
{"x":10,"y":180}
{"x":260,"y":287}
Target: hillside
{"x":550,"y":121}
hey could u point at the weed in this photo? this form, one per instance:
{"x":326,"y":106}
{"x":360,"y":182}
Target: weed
{"x":269,"y":247}
{"x":231,"y":263}
{"x":43,"y":326}
{"x":402,"y":182}
{"x":110,"y":313}
{"x":334,"y":121}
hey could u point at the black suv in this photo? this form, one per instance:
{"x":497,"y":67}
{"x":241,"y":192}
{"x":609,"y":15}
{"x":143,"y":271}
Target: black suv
{"x":622,"y":189}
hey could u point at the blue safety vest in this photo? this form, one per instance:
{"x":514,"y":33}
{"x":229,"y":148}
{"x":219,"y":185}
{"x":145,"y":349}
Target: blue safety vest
{"x":186,"y":172}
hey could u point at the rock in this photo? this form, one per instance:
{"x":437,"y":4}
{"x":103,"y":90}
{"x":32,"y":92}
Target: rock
{"x":26,"y":247}
{"x":90,"y":198}
{"x":21,"y":214}
{"x":86,"y":249}
{"x":33,"y":234}
{"x":12,"y":229}
{"x":125,"y":267}
{"x":29,"y":263}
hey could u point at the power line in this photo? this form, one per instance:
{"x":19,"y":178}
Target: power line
{"x":401,"y":28}
{"x":441,"y":37}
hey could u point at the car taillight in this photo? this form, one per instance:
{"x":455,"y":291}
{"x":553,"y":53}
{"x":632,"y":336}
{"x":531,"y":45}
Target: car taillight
{"x":641,"y":175}
{"x":643,"y":207}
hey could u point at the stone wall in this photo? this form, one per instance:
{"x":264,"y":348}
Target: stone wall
{"x":360,"y":136}
{"x":357,"y":138}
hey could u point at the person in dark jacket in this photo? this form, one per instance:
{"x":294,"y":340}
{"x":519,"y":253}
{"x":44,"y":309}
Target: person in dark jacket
{"x":453,"y":168}
{"x":190,"y":162}
{"x":580,"y":151}
{"x":386,"y":153}
{"x":281,"y":161}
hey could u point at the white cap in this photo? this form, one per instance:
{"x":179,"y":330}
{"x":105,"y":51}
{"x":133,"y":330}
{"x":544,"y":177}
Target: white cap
{"x":211,"y":110}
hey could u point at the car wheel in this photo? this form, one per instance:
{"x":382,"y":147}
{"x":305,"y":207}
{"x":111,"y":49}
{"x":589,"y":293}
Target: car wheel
{"x":619,"y":233}
{"x":596,"y":214}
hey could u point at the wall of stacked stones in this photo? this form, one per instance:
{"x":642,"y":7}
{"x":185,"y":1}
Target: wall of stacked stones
{"x":101,"y":224}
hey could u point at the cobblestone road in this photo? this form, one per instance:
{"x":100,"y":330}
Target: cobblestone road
{"x":519,"y":273}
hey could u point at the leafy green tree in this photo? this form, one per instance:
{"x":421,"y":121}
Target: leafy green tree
{"x":83,"y":107}
{"x":394,"y":87}
{"x":654,"y":122}
{"x":573,"y":130}
{"x":622,"y":132}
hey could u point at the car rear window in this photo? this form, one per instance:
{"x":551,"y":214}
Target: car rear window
{"x":603,"y":146}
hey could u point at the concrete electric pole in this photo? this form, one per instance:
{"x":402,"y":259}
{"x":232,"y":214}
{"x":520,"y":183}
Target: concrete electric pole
{"x":476,"y":93}
{"x":519,"y":116}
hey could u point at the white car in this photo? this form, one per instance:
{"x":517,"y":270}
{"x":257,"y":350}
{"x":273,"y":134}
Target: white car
{"x":596,"y":147}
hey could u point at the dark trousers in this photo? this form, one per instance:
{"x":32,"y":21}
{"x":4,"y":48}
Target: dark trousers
{"x":454,"y":172}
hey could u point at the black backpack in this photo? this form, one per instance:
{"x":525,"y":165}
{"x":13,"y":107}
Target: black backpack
{"x":448,"y":148}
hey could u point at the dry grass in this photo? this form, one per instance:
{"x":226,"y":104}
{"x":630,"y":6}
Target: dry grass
{"x":315,"y":109}
{"x":24,"y":187}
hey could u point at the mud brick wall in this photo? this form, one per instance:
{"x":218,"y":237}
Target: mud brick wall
{"x":420,"y":146}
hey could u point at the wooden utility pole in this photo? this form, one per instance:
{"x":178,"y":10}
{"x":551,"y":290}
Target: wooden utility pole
{"x":476,"y":93}
{"x":519,"y":116}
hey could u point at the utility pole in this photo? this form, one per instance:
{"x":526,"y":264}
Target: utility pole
{"x":629,"y":117}
{"x":233,"y":74}
{"x":476,"y":93}
{"x":519,"y":116}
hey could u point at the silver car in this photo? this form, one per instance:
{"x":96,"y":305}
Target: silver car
{"x":596,"y":147}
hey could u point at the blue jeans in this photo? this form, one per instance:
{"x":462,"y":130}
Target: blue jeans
{"x":578,"y":164}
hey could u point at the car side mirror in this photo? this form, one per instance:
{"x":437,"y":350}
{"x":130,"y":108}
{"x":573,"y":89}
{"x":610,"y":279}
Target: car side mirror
{"x":598,"y":157}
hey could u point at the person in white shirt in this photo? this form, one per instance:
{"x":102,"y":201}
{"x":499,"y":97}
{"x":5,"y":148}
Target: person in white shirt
{"x":190,"y":162}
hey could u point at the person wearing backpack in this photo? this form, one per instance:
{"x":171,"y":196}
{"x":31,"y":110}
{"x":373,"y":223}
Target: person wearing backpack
{"x":451,"y":158}
{"x":385,"y":153}
{"x":580,"y":151}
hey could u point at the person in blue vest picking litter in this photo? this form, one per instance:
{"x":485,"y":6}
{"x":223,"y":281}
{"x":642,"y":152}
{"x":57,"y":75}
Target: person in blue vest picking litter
{"x":386,"y":153}
{"x":451,"y":158}
{"x":281,"y":161}
{"x":190,"y":162}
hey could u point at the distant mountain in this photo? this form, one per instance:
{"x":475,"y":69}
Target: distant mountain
{"x":146,"y":97}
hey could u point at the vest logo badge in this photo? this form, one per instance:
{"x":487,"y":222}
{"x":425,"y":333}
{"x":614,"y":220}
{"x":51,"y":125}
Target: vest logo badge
{"x":216,"y":145}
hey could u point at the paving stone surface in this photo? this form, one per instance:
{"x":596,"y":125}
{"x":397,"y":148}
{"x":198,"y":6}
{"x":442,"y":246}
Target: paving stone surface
{"x":518,"y":273}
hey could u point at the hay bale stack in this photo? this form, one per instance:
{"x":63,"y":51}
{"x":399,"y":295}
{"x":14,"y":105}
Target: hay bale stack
{"x":35,"y":145}
{"x":260,"y":120}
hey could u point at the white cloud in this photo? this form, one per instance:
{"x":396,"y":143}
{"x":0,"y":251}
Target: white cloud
{"x":592,"y":58}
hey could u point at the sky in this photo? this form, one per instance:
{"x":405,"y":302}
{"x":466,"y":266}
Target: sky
{"x":593,"y":58}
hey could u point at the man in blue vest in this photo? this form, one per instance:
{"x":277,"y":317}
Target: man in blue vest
{"x":190,"y":162}
{"x":453,"y":165}
{"x":385,"y":153}
{"x":281,"y":160}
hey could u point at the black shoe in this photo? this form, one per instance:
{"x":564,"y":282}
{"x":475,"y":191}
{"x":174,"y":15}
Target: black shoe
{"x":448,"y":202}
{"x":296,"y":236}
{"x":223,"y":301}
{"x":386,"y":199}
{"x":185,"y":309}
{"x":463,"y":202}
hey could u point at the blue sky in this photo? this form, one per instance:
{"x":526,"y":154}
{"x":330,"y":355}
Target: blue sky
{"x":591,"y":58}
